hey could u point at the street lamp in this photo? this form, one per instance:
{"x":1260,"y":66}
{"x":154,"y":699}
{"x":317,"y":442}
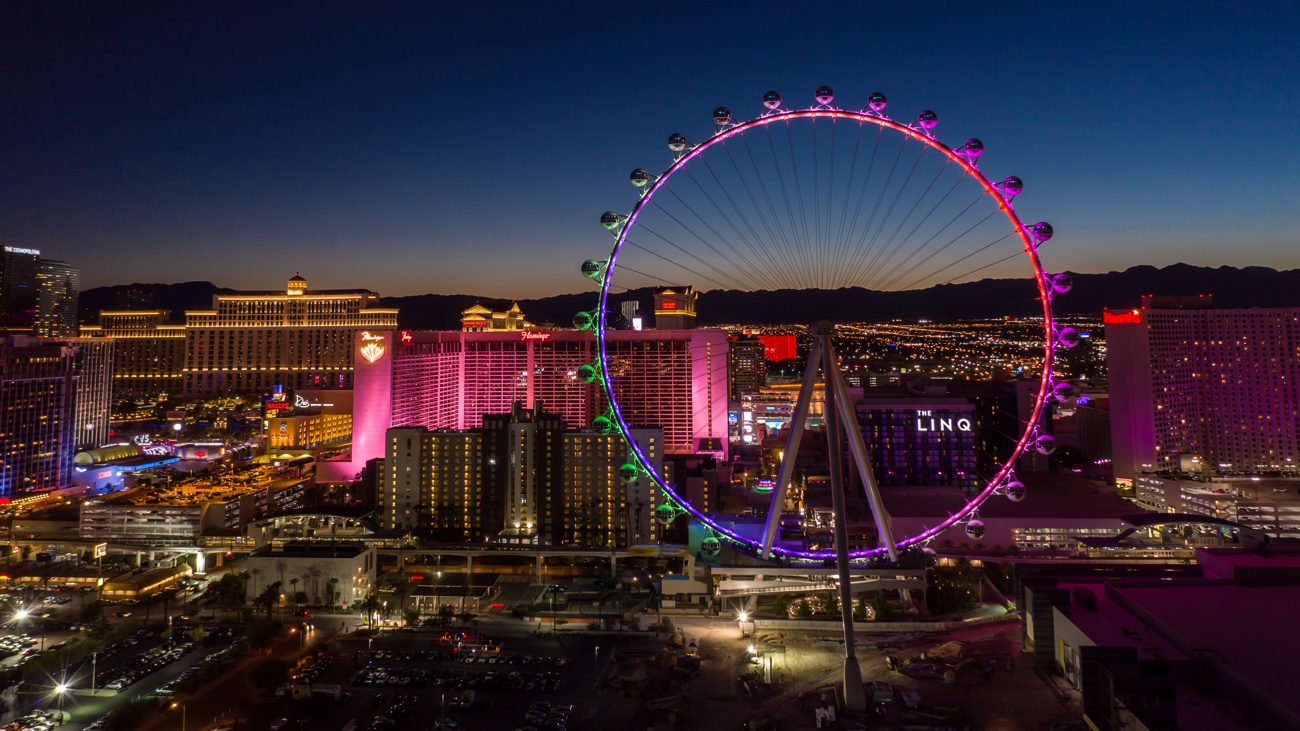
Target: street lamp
{"x":182,"y":705}
{"x":61,"y":690}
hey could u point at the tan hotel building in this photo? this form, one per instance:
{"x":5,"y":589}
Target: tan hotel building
{"x":247,"y":343}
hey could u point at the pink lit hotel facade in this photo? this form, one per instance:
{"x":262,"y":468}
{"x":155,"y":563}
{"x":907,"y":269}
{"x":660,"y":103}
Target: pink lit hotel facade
{"x":1197,"y":388}
{"x":672,"y":379}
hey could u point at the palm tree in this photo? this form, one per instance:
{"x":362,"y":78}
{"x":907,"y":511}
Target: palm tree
{"x":370,"y":605}
{"x":332,"y":592}
{"x":401,"y":600}
{"x":268,"y":598}
{"x":293,"y":587}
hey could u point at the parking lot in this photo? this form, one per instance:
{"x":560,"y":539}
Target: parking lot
{"x":409,"y":682}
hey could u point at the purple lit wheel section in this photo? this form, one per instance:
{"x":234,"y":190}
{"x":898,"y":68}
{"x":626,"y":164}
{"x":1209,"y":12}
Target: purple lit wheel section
{"x":995,"y":192}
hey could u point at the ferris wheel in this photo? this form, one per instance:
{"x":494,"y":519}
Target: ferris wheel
{"x":825,"y":198}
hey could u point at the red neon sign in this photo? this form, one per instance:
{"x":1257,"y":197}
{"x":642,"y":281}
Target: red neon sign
{"x":1131,"y":317}
{"x":670,"y":305}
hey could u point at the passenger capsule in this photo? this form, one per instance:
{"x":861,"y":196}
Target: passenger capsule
{"x":824,"y":95}
{"x":629,"y":472}
{"x":677,"y":142}
{"x":587,"y":373}
{"x":591,"y":269}
{"x":665,"y":514}
{"x":1042,"y":232}
{"x":1068,"y":337}
{"x":1016,"y":491}
{"x":639,"y":177}
{"x":1062,"y":283}
{"x":1063,"y":391}
{"x":772,"y":100}
{"x":721,"y":115}
{"x":1012,"y":186}
{"x":876,"y":102}
{"x":1045,"y":444}
{"x":582,"y":320}
{"x":975,"y":529}
{"x":973,"y":148}
{"x":927,"y":120}
{"x":610,"y":220}
{"x":710,"y":546}
{"x":602,"y":425}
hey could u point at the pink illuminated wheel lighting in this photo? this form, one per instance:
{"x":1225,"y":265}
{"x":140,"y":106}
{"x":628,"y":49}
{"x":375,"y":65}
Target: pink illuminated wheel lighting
{"x":823,"y":198}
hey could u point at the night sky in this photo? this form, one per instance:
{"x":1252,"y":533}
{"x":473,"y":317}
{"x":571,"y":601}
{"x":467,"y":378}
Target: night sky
{"x":470,"y":147}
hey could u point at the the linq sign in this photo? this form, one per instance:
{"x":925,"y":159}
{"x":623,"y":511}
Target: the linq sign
{"x":926,"y":421}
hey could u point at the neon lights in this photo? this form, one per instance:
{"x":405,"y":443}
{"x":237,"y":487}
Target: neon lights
{"x":1132,"y":317}
{"x":372,"y":346}
{"x":16,"y":250}
{"x":406,"y":336}
{"x":995,"y":483}
{"x":543,"y":337}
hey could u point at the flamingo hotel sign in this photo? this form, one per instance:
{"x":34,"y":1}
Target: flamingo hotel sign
{"x":372,"y":346}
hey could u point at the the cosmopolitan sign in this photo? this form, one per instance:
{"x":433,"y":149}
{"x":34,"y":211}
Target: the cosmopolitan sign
{"x":372,"y":346}
{"x":534,"y":336}
{"x":926,"y":421}
{"x":16,"y":250}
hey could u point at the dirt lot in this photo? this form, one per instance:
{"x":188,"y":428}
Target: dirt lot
{"x":1014,"y":700}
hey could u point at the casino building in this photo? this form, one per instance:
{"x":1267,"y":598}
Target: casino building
{"x":250,"y":342}
{"x":675,"y":380}
{"x":1193,"y":386}
{"x":920,"y":439}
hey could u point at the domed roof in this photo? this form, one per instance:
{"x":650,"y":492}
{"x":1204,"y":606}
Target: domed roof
{"x":297,"y":277}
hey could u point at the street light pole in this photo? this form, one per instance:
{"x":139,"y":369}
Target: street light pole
{"x":94,"y":660}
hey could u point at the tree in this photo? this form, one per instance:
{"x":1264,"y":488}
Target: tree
{"x":129,"y":716}
{"x":332,"y":592}
{"x":370,"y":605}
{"x":780,"y":605}
{"x":268,"y":598}
{"x":293,"y":589}
{"x":860,"y":607}
{"x":880,"y":605}
{"x":412,"y":616}
{"x":832,"y":603}
{"x":197,"y":634}
{"x":804,"y":609}
{"x":268,"y":673}
{"x":445,"y":614}
{"x":92,"y":611}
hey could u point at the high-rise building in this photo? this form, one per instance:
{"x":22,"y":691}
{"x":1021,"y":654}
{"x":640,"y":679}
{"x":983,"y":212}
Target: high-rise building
{"x":148,"y":352}
{"x":19,"y":292}
{"x":748,"y":363}
{"x":779,"y":347}
{"x":92,"y":365}
{"x":483,"y":319}
{"x":675,"y":307}
{"x":58,"y":285}
{"x":1192,"y":386}
{"x":926,"y":440}
{"x":250,"y":342}
{"x":38,"y":403}
{"x":675,"y":380}
{"x":521,"y":478}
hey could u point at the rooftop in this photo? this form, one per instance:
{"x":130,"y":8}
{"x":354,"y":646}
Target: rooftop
{"x":1241,"y":627}
{"x":1050,"y":496}
{"x":312,"y":550}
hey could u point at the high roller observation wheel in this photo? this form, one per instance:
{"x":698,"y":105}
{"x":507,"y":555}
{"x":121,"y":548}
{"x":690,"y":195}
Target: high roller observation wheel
{"x":965,"y":158}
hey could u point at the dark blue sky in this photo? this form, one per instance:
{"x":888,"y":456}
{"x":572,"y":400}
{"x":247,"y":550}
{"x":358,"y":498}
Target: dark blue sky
{"x":438,"y":147}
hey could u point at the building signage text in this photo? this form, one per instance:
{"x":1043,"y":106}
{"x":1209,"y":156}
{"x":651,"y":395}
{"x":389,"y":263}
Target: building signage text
{"x":534,"y":336}
{"x":1131,"y":317}
{"x":372,"y":346}
{"x":926,"y":421}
